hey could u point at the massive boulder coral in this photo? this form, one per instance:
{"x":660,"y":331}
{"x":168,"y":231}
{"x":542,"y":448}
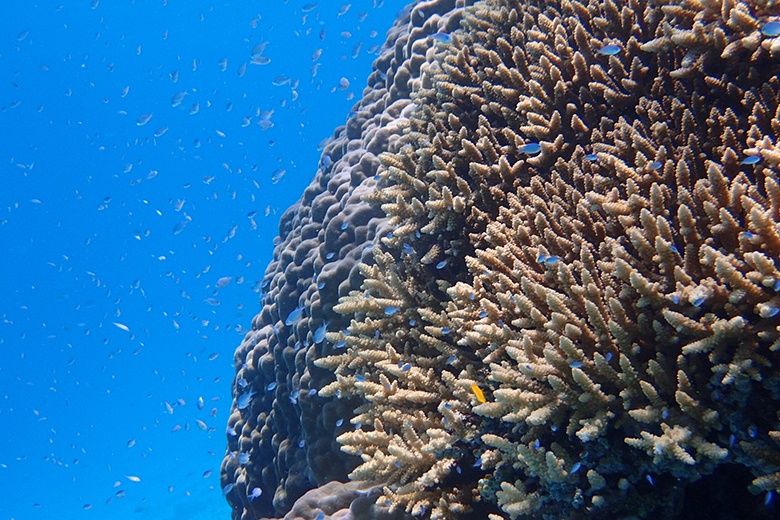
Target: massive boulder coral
{"x":575,"y":312}
{"x":281,"y":434}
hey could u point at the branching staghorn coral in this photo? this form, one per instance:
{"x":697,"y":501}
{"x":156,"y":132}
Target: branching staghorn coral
{"x":395,"y":433}
{"x":581,"y":288}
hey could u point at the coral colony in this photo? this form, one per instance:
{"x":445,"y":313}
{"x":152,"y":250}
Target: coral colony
{"x":536,"y":275}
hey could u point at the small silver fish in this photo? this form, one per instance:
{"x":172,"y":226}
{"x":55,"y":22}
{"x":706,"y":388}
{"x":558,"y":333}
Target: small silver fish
{"x":277,"y":175}
{"x":222,"y":282}
{"x":142,"y":120}
{"x":177,"y":99}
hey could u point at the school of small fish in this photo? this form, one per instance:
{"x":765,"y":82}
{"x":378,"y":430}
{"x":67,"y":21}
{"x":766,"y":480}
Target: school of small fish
{"x":194,"y":174}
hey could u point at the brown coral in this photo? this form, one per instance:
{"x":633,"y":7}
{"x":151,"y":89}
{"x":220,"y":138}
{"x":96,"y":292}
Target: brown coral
{"x":613,"y":295}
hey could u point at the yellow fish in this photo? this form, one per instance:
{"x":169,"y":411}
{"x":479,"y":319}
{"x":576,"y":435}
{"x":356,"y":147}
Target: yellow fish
{"x":478,"y":392}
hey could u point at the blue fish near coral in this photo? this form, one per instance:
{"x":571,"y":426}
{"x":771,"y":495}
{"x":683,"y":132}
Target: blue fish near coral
{"x":442,"y":37}
{"x":244,"y":399}
{"x":609,"y":50}
{"x":751,"y":159}
{"x":531,"y":148}
{"x":319,"y":334}
{"x":294,"y":315}
{"x":771,"y":29}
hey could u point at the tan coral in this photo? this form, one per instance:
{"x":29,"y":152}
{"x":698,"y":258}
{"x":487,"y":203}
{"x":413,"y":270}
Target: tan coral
{"x":596,"y":295}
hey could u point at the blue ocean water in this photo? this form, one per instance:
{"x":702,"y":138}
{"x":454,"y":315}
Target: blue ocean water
{"x":134,"y":232}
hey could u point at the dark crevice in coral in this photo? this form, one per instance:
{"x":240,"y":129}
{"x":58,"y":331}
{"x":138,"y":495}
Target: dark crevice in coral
{"x":724,"y":495}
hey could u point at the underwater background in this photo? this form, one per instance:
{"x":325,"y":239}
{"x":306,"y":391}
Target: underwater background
{"x":148,"y":150}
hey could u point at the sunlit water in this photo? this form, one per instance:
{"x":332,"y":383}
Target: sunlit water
{"x":148,"y":149}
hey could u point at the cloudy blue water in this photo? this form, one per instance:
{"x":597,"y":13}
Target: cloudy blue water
{"x":122,"y":214}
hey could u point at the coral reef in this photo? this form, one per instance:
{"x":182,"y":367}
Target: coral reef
{"x":579,"y":293}
{"x":281,"y":434}
{"x":342,"y":501}
{"x":561,"y":296}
